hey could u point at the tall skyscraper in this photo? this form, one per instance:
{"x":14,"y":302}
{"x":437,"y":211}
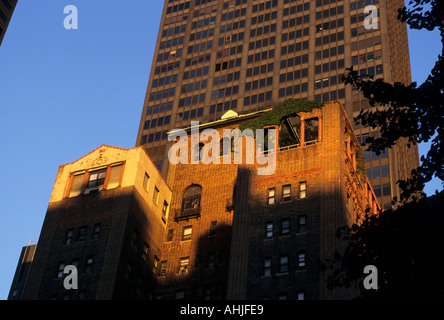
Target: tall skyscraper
{"x":6,"y":9}
{"x":248,"y":55}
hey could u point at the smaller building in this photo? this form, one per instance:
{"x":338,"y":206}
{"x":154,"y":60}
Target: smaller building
{"x":22,"y":272}
{"x":106,"y":217}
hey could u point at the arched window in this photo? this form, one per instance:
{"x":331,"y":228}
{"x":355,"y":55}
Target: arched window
{"x":191,"y":201}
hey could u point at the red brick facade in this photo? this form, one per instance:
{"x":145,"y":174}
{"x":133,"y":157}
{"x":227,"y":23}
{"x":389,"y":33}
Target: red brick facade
{"x":235,"y":197}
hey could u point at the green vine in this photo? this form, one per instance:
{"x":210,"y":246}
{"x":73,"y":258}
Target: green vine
{"x":277,"y":115}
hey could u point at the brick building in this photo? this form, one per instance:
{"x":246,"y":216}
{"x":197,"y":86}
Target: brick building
{"x":274,"y":228}
{"x":101,"y":220}
{"x":211,"y":231}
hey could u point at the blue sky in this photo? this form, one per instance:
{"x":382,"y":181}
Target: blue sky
{"x":65,"y":92}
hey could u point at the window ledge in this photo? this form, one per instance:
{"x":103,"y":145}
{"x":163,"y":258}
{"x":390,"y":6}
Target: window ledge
{"x":187,"y":217}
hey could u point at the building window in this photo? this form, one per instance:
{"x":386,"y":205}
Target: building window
{"x":162,"y":270}
{"x":269,"y":230}
{"x":213,"y":228}
{"x":114,"y":177}
{"x":68,"y":237}
{"x":271,"y":195}
{"x":186,"y":233}
{"x":267,"y":267}
{"x":377,"y":191}
{"x":156,"y":195}
{"x":198,"y":152}
{"x":386,"y":191}
{"x":155,"y":264}
{"x":302,"y":190}
{"x":75,"y":263}
{"x":311,"y":131}
{"x":164,"y":209}
{"x":283,"y":264}
{"x":134,"y":238}
{"x":191,"y":200}
{"x":60,"y":270}
{"x":159,"y":165}
{"x":184,"y":262}
{"x":286,"y":193}
{"x":77,"y":184}
{"x":145,"y":250}
{"x":385,"y":171}
{"x":88,"y":265}
{"x":170,"y":235}
{"x":180,"y":295}
{"x":226,"y":146}
{"x":376,"y":172}
{"x":301,"y":295}
{"x":285,"y":227}
{"x":301,"y":260}
{"x":96,"y":179}
{"x":302,"y":224}
{"x":210,"y":261}
{"x":146,"y":181}
{"x":96,"y":231}
{"x":82,"y":234}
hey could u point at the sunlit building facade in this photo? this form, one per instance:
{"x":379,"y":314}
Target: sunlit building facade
{"x":209,"y":231}
{"x":106,"y":217}
{"x":245,"y":55}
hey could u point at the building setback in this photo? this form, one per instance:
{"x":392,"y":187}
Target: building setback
{"x":211,"y":231}
{"x":245,"y":55}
